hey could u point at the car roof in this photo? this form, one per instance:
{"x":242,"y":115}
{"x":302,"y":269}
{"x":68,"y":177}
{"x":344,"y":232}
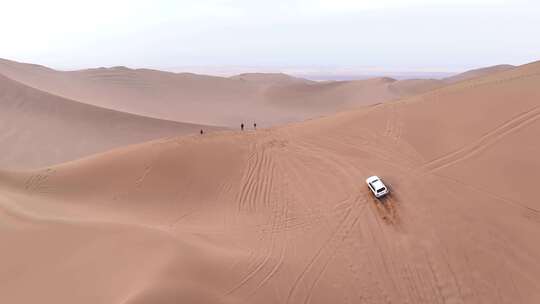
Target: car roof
{"x":378,"y":185}
{"x":372,"y":178}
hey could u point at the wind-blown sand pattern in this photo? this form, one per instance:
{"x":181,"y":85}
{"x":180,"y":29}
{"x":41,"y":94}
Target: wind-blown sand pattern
{"x":282,"y":215}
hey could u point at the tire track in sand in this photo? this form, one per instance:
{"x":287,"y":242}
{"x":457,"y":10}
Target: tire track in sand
{"x":283,"y":216}
{"x":393,"y":123}
{"x":508,"y":127}
{"x":248,"y":178}
{"x":346,"y":224}
{"x":39,"y":183}
{"x":257,"y":192}
{"x":346,"y":231}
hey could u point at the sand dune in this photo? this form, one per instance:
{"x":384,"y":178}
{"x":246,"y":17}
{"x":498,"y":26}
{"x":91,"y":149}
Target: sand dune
{"x":283,"y":215}
{"x":477,"y":73}
{"x":39,"y":129}
{"x":409,"y":87}
{"x":268,"y":99}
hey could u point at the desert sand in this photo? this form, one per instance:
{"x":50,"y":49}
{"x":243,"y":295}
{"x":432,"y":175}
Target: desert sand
{"x":282,"y":215}
{"x":476,"y":73}
{"x":39,"y":129}
{"x":268,"y":99}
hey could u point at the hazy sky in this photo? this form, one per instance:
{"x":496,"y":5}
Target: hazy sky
{"x":394,"y":34}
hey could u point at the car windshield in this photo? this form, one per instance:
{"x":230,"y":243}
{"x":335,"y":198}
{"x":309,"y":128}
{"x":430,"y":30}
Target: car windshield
{"x":381,"y":190}
{"x":374,"y":181}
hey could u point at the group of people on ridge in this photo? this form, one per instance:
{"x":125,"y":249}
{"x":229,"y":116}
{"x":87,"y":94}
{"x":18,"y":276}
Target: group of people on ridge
{"x":241,"y":127}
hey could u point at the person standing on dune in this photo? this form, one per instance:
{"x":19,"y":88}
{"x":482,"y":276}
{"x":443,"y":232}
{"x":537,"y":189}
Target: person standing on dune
{"x":202,"y":132}
{"x":242,"y":126}
{"x":255,"y":126}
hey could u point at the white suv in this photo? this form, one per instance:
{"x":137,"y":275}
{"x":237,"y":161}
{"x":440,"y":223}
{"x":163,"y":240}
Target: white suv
{"x":377,"y":186}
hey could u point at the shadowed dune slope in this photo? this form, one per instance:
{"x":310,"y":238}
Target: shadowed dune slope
{"x":283,"y":215}
{"x":268,"y":99}
{"x":39,"y":129}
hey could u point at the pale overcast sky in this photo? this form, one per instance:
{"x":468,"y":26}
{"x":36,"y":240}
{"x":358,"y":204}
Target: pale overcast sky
{"x":392,"y":34}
